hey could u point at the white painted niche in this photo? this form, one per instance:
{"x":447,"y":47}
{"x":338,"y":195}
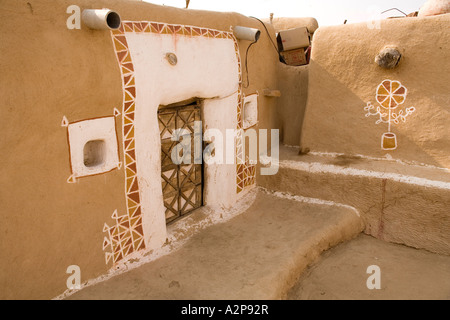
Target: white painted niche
{"x":250,"y":110}
{"x":93,"y":146}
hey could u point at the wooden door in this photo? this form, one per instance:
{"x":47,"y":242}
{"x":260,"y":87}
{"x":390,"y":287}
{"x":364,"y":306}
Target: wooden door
{"x":182,"y":184}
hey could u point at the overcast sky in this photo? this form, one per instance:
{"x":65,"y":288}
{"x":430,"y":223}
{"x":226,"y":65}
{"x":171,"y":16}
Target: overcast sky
{"x":327,"y":12}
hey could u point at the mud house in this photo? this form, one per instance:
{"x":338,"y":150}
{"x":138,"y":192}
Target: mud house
{"x":89,"y":115}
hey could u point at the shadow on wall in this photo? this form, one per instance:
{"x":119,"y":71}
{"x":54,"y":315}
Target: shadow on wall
{"x":335,"y":121}
{"x":293,"y":81}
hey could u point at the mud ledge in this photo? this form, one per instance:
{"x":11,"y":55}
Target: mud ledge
{"x":258,"y":254}
{"x":404,"y":203}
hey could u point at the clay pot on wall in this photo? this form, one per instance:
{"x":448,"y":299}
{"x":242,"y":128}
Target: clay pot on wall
{"x":434,"y":7}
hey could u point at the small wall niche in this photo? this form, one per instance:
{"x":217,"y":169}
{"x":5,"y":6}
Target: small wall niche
{"x":94,"y":153}
{"x":93,"y":146}
{"x":250,"y":111}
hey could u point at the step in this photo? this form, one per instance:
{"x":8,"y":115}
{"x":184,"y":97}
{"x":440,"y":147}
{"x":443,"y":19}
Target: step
{"x":399,"y":202}
{"x":258,"y":254}
{"x":404,"y":273}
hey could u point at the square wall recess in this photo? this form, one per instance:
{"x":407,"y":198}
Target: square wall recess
{"x":93,"y":146}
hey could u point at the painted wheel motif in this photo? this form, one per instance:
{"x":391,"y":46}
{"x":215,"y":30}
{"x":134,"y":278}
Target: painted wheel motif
{"x":390,"y":94}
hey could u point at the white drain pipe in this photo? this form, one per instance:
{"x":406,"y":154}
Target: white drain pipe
{"x":101,"y":19}
{"x":245,"y":33}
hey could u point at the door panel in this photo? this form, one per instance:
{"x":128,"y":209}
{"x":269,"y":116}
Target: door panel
{"x":182,"y":184}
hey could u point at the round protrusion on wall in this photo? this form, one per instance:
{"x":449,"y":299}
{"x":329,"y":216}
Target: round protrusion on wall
{"x":245,"y":33}
{"x":172,"y":58}
{"x":101,"y":19}
{"x":434,"y":7}
{"x":113,"y":20}
{"x":388,"y":58}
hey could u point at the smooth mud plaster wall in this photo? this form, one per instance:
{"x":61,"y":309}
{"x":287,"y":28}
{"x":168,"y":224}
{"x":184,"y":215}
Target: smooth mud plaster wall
{"x":343,"y":79}
{"x":53,"y":77}
{"x":293,"y":85}
{"x":284,"y":23}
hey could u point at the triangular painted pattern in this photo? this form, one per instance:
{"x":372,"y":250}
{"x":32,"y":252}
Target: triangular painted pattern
{"x":125,"y":240}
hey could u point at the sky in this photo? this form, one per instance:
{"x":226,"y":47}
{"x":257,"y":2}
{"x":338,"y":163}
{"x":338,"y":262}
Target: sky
{"x":326,"y":12}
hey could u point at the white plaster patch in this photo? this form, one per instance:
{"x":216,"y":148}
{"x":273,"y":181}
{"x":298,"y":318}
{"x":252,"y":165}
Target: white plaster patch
{"x":206,"y":68}
{"x":220,"y":176}
{"x":93,"y":146}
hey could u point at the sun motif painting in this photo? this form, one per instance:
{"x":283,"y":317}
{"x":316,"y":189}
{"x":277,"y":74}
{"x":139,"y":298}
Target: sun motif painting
{"x":390,"y":95}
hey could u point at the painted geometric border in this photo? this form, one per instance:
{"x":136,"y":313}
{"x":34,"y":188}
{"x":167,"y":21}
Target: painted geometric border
{"x":127,"y":234}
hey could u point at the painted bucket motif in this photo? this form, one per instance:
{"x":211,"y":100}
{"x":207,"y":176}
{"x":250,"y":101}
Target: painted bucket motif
{"x":388,"y":141}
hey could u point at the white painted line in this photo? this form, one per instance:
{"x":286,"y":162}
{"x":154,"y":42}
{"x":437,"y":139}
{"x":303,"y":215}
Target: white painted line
{"x":316,"y":167}
{"x":289,"y":196}
{"x":388,"y":158}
